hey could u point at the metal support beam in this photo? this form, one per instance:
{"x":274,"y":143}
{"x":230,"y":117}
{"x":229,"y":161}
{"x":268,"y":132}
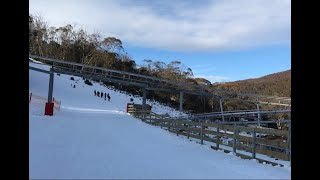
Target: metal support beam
{"x":289,"y":143}
{"x":271,"y":103}
{"x":212,"y":103}
{"x":107,"y":79}
{"x":144,"y":98}
{"x":201,"y":132}
{"x":50,"y":86}
{"x":39,"y":70}
{"x":168,"y":85}
{"x":259,"y":115}
{"x":237,"y":113}
{"x":181,"y":101}
{"x":221,"y":108}
{"x":218,"y":138}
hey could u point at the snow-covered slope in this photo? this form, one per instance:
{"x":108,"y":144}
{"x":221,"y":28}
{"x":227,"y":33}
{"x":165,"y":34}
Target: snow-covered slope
{"x":91,"y":138}
{"x":83,"y":95}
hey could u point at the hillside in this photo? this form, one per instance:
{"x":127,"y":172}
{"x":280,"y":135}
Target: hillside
{"x":92,"y":138}
{"x":277,"y":84}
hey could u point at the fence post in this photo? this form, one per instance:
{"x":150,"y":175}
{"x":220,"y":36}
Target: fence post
{"x":218,"y":130}
{"x":235,"y":133}
{"x":254,"y":144}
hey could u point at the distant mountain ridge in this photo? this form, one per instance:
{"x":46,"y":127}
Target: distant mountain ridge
{"x":276,"y":84}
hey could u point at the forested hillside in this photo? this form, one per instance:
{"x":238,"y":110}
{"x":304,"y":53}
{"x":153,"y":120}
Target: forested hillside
{"x":277,"y":84}
{"x":77,"y":45}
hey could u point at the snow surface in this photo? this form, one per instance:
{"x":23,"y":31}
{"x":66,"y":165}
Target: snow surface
{"x":91,"y":138}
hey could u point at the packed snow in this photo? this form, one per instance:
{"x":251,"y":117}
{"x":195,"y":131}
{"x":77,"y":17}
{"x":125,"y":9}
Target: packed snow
{"x":92,"y":138}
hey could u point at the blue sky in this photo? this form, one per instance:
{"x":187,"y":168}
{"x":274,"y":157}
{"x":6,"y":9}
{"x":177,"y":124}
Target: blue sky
{"x":220,"y":40}
{"x":223,"y":66}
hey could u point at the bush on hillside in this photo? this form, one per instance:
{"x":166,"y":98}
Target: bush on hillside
{"x":72,"y":78}
{"x":87,"y":82}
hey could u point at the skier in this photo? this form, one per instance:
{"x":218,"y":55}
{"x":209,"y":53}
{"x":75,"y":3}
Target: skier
{"x":108,"y":97}
{"x":95,"y":93}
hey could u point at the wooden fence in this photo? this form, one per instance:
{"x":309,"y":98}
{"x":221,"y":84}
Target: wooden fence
{"x":271,"y":142}
{"x":137,"y":109}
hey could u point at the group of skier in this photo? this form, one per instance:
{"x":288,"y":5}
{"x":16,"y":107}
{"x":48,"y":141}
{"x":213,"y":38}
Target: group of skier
{"x":101,"y":94}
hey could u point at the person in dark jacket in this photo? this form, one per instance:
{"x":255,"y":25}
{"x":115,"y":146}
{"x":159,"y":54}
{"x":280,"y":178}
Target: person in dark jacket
{"x":108,"y":97}
{"x":101,"y":94}
{"x":95,"y":93}
{"x":105,"y":96}
{"x":98,"y":93}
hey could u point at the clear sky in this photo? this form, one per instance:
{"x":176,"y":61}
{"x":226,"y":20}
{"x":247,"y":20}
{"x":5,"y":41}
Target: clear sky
{"x":220,"y":40}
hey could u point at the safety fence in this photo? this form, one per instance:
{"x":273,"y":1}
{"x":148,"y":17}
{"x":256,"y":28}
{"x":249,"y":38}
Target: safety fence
{"x":138,"y":109}
{"x":37,"y":99}
{"x":244,"y":136}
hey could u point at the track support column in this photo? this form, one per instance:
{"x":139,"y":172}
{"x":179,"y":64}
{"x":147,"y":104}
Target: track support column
{"x":49,"y":105}
{"x":50,"y":92}
{"x":144,"y":98}
{"x":221,"y":108}
{"x":259,"y":115}
{"x":181,"y":101}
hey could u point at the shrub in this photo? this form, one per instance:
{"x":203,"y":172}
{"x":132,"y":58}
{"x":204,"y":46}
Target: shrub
{"x":72,"y":78}
{"x":87,"y":82}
